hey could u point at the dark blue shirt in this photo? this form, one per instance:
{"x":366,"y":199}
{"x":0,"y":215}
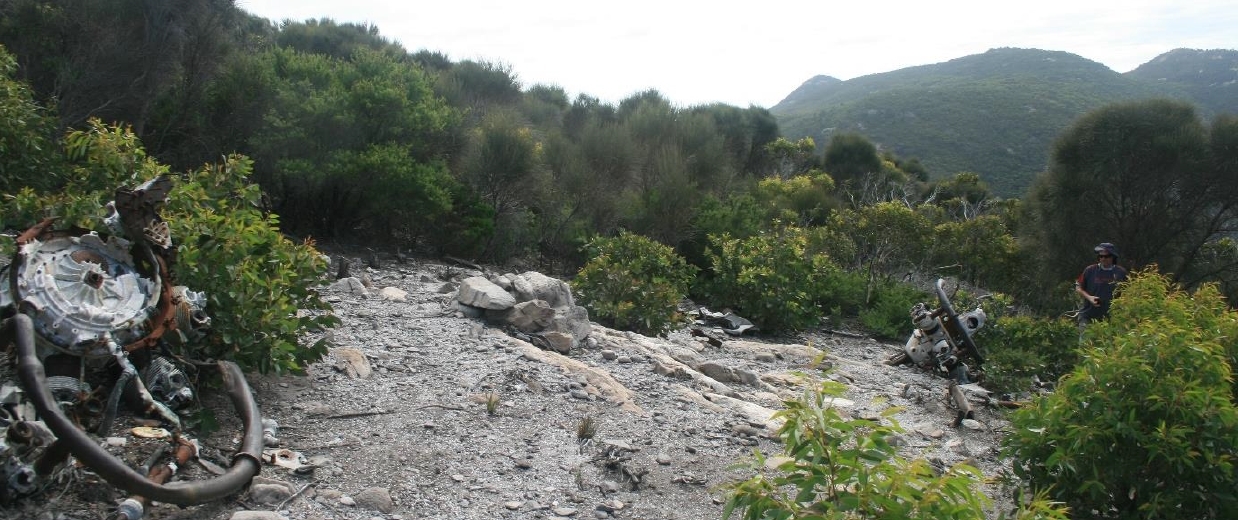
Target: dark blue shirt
{"x":1100,"y":283}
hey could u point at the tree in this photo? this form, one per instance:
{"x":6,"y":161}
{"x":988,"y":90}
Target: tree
{"x":888,"y":236}
{"x":117,"y":59}
{"x":1145,"y":175}
{"x":848,"y":157}
{"x":25,"y":135}
{"x":1146,"y":425}
{"x":791,"y":158}
{"x":502,"y":164}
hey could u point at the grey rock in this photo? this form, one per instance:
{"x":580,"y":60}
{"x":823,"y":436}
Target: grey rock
{"x":531,"y":316}
{"x":718,"y":372}
{"x":480,"y":292}
{"x":533,"y":285}
{"x":269,"y":494}
{"x":375,"y":499}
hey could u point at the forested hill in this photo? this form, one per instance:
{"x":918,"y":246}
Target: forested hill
{"x":996,"y":113}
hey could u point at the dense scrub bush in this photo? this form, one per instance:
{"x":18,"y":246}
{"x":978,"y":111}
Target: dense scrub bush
{"x":259,"y":285}
{"x":889,"y":315}
{"x":768,"y":278}
{"x":840,"y":468}
{"x":1020,"y":347}
{"x":840,"y":292}
{"x":633,"y":282}
{"x":1145,"y":426}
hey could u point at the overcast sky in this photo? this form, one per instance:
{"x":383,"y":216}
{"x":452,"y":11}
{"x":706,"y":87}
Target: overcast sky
{"x":756,"y":52}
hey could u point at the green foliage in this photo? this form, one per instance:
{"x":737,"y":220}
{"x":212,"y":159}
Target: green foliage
{"x":841,"y":293}
{"x":888,"y":237}
{"x":995,"y":113}
{"x":1152,"y":173}
{"x":769,"y":278}
{"x":887,"y":316}
{"x":27,"y":154}
{"x":259,"y":285}
{"x":1145,"y":426}
{"x":850,"y":156}
{"x":982,"y":248}
{"x":1020,"y":347}
{"x":803,"y":199}
{"x":633,"y":282}
{"x":839,"y":468}
{"x":345,"y":144}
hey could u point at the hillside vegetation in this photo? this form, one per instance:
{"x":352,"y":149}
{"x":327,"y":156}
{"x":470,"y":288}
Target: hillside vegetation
{"x":281,"y":137}
{"x":996,"y":113}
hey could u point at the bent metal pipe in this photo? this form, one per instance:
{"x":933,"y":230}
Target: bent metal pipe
{"x":246,"y":463}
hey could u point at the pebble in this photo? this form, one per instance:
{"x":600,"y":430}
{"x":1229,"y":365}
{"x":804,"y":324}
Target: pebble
{"x":513,"y":505}
{"x":348,"y":501}
{"x":564,"y":511}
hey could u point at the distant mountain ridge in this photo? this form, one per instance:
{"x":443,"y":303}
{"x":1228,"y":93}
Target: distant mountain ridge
{"x":997,"y":113}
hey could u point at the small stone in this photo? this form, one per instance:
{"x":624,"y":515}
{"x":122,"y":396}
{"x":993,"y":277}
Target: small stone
{"x":609,"y":355}
{"x":564,"y":511}
{"x":513,"y":505}
{"x":580,"y":394}
{"x":348,"y":501}
{"x":664,"y":459}
{"x":610,"y":486}
{"x":973,"y":424}
{"x":269,"y":493}
{"x":116,"y":442}
{"x":458,"y":477}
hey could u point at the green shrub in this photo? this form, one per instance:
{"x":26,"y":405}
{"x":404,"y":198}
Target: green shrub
{"x":889,"y":316}
{"x":767,"y":278}
{"x":1019,"y":347}
{"x":633,"y":282}
{"x":845,"y":468}
{"x":1145,"y":426}
{"x":259,"y":285}
{"x":840,"y":292}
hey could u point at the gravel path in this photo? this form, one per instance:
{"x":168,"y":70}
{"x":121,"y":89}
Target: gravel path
{"x":419,"y":412}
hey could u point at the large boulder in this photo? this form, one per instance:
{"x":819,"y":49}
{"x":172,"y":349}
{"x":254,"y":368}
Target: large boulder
{"x":479,"y":292}
{"x":533,"y":285}
{"x":532,"y":302}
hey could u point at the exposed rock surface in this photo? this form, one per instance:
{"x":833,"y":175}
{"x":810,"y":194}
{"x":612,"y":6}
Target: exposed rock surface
{"x":422,"y":412}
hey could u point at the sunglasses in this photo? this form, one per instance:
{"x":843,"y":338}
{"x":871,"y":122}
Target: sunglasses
{"x":1104,"y":256}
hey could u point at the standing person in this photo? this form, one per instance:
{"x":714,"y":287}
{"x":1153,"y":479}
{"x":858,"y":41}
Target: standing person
{"x":1097,"y":282}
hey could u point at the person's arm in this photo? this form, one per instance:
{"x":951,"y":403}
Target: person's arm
{"x":1079,"y":289}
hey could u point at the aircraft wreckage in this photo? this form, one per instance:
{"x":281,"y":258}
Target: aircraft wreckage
{"x":941,"y":342}
{"x":86,"y":318}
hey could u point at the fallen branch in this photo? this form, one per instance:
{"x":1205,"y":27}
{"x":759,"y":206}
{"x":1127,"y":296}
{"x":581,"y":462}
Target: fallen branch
{"x":845,"y":334}
{"x":295,"y":495}
{"x":356,"y":414}
{"x":464,"y":262}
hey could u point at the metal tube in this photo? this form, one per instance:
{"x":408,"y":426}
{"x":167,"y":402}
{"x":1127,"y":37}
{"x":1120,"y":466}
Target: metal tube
{"x":245,"y":464}
{"x":960,"y":400}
